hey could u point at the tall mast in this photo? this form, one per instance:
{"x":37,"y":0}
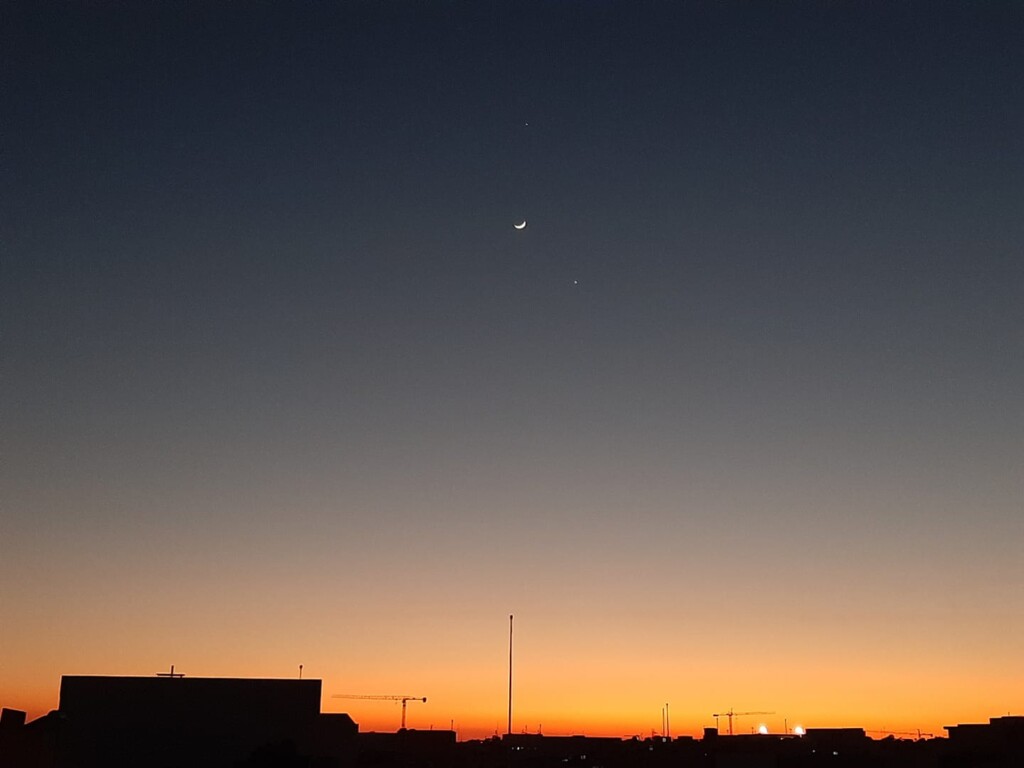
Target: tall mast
{"x":509,"y":674}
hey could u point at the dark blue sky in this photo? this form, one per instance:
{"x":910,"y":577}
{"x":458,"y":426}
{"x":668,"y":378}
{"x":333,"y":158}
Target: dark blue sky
{"x":259,"y":274}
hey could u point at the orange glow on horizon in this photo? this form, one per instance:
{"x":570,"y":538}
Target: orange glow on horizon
{"x":626,"y":713}
{"x":577,"y":670}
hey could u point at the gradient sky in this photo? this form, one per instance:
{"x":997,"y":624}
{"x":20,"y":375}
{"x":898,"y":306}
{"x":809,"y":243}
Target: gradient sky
{"x":737,"y":421}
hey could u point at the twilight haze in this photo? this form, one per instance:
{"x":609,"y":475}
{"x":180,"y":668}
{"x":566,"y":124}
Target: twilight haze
{"x":736,"y":421}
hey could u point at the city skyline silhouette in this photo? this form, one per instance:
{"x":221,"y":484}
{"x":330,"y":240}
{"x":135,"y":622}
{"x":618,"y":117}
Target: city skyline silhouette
{"x":172,"y":720}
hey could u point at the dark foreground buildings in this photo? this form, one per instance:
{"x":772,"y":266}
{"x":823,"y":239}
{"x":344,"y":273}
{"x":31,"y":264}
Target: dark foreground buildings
{"x":166,"y":722}
{"x":178,"y":722}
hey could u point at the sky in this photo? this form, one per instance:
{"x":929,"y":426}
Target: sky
{"x":736,"y":421}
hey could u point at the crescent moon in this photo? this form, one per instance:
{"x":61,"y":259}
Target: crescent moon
{"x":520,"y":226}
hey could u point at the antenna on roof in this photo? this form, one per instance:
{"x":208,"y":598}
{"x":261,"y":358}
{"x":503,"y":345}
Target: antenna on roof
{"x":172,"y":673}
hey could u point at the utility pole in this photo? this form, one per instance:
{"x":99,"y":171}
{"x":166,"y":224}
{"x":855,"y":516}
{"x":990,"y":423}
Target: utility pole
{"x":509,"y":729}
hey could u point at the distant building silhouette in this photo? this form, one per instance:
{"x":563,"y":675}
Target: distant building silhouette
{"x":998,"y":743}
{"x":408,"y":748}
{"x":196,"y":722}
{"x":177,"y":722}
{"x":27,"y":745}
{"x":11,"y":719}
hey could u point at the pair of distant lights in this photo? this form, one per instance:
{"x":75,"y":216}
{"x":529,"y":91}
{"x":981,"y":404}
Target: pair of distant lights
{"x":797,"y":731}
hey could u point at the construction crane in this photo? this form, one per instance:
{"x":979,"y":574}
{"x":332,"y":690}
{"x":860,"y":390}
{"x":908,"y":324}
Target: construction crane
{"x":404,"y":699}
{"x":918,"y":735}
{"x":730,"y":714}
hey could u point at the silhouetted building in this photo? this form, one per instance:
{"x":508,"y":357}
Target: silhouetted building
{"x":535,"y":750}
{"x":175,"y":722}
{"x":27,"y":745}
{"x":1000,"y":742}
{"x":408,"y":748}
{"x":838,"y":738}
{"x":12,"y":736}
{"x":11,"y":719}
{"x":167,"y":722}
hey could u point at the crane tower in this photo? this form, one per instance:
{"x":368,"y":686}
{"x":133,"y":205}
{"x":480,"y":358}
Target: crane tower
{"x":404,"y":699}
{"x":730,"y":714}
